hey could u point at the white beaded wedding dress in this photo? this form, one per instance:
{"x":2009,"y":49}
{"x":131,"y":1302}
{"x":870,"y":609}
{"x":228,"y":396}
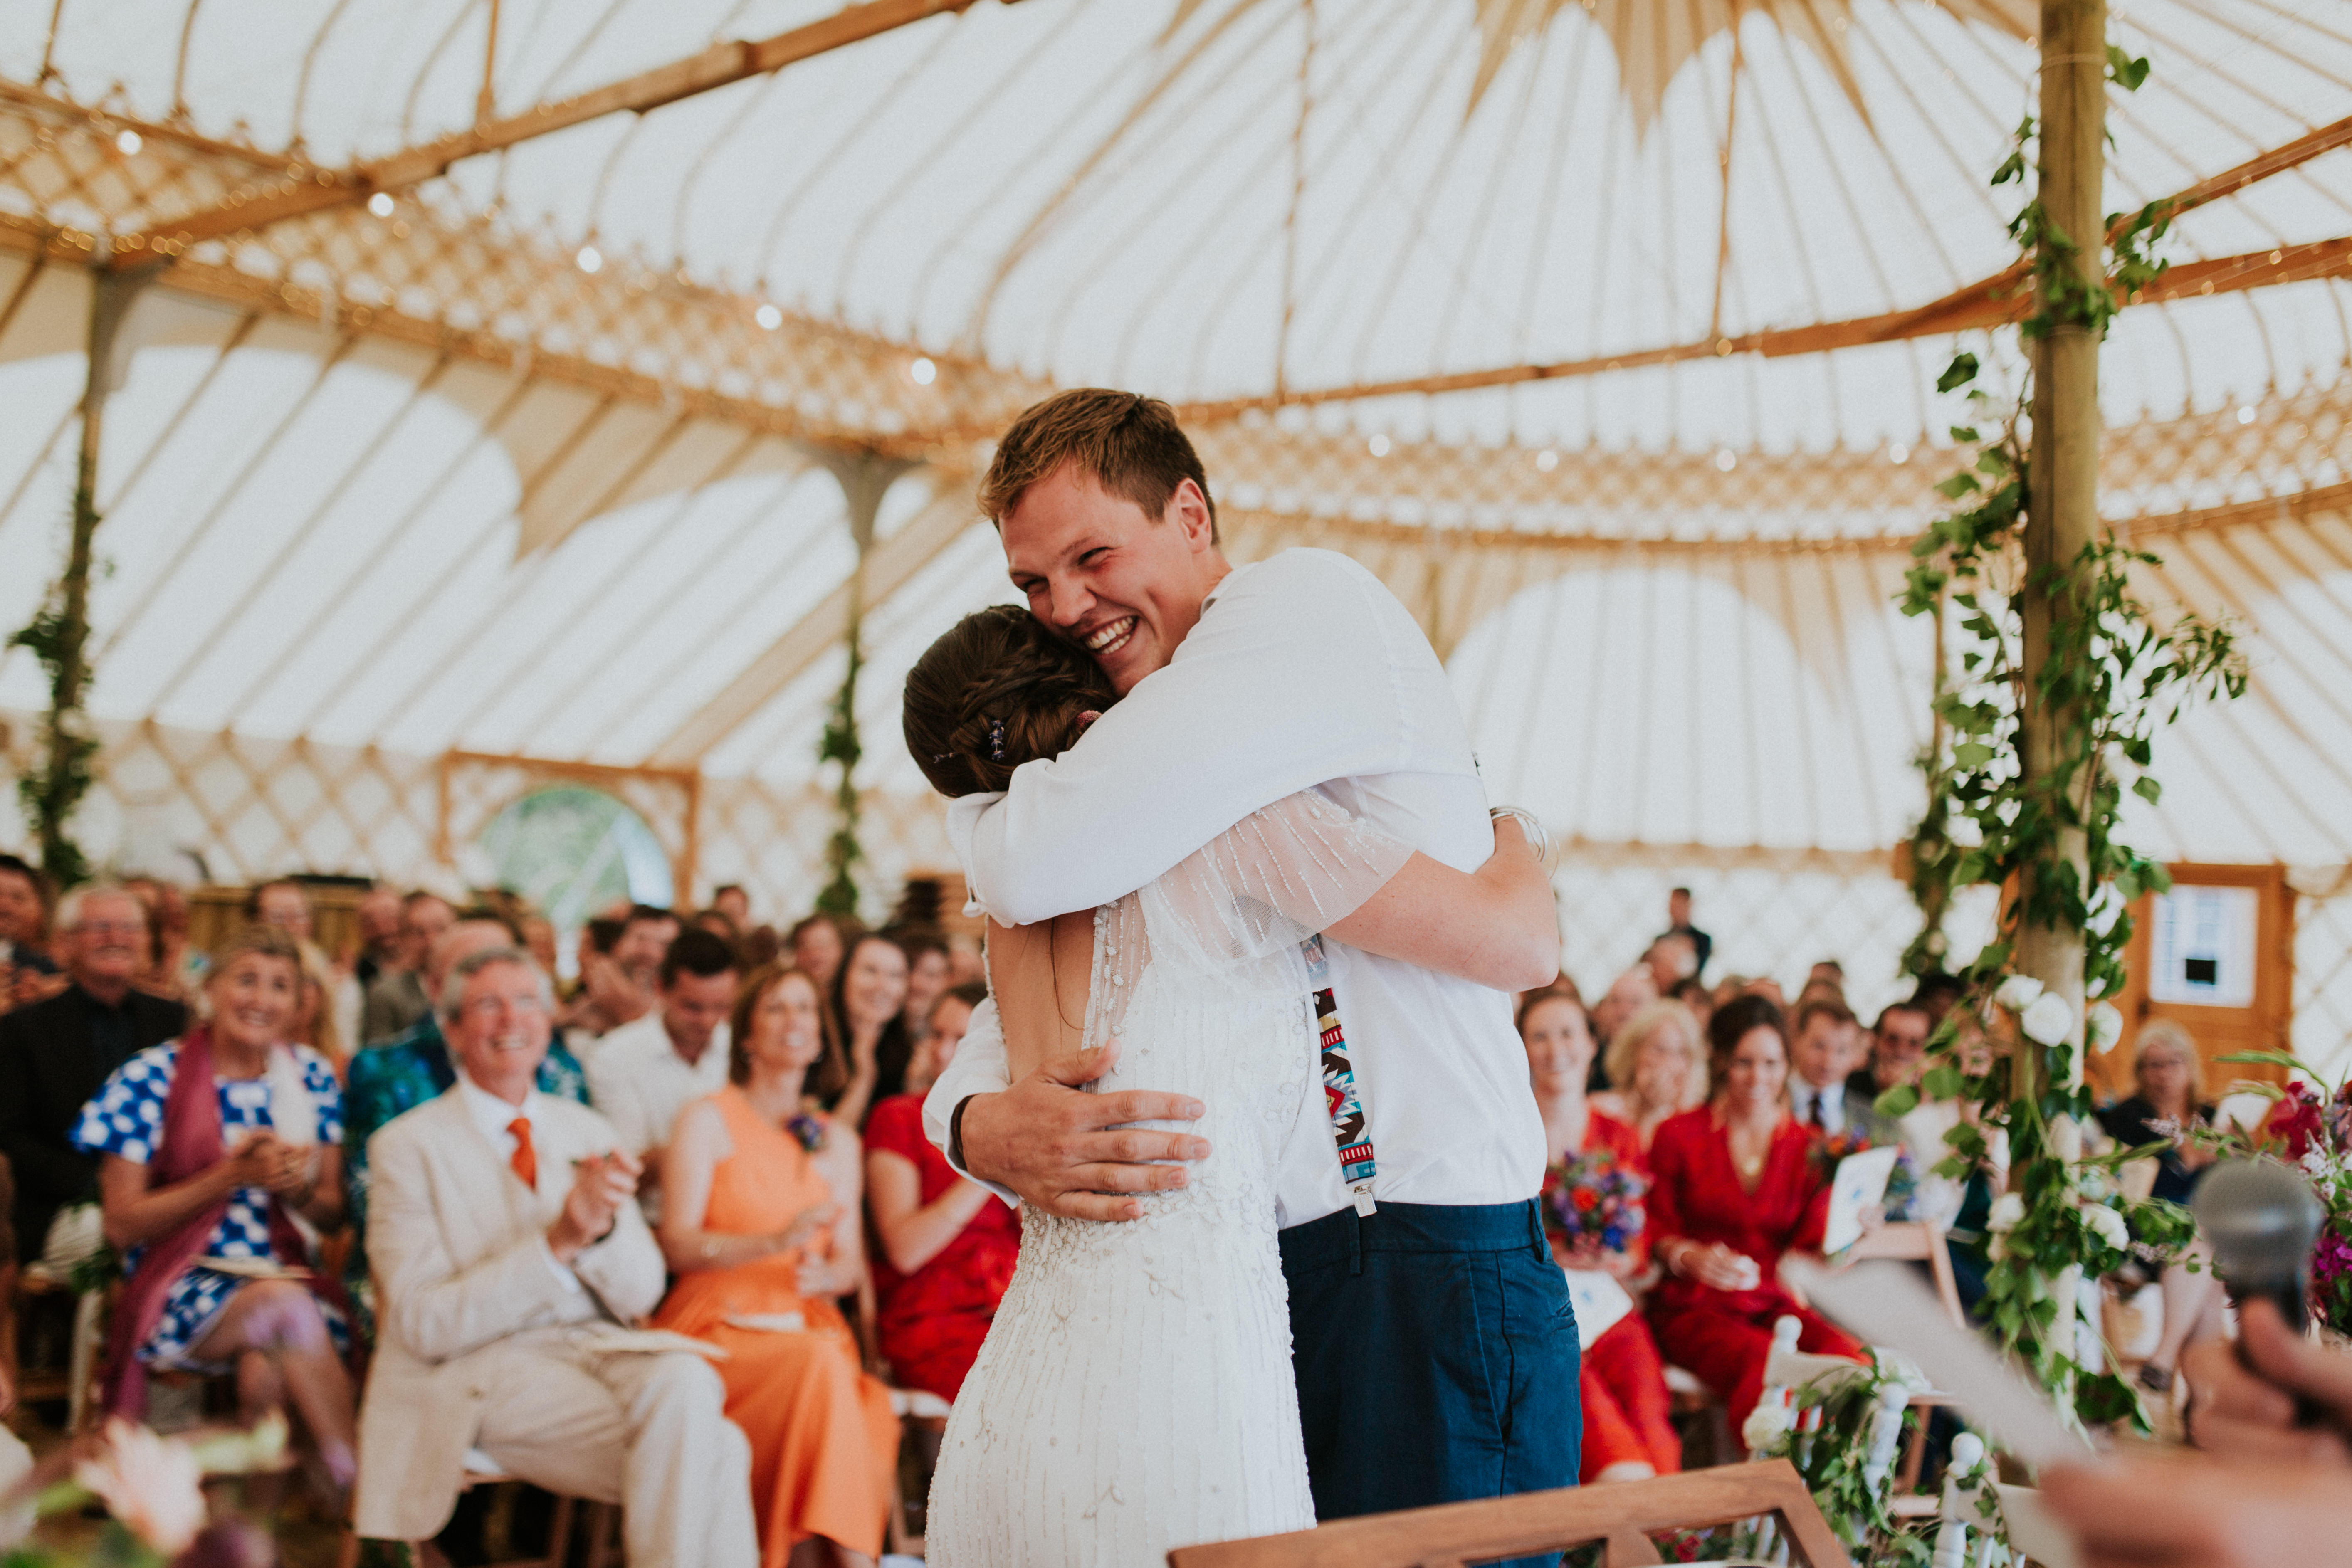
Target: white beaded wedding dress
{"x":1134,"y":1392}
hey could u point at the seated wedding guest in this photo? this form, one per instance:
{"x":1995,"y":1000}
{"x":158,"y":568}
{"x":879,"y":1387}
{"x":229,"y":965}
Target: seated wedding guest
{"x":539,"y":941}
{"x":621,"y":986}
{"x":1898,"y":1052}
{"x":2273,"y":1483}
{"x":1627,"y":995}
{"x":28,"y":971}
{"x":868,"y":991}
{"x":174,"y":969}
{"x":1671,"y":959}
{"x":214,"y":1145}
{"x":397,"y":998}
{"x":949,"y":1244}
{"x":512,"y":1260}
{"x":382,"y":947}
{"x":2168,"y":1075}
{"x":400,"y":1074}
{"x":928,"y":977}
{"x":54,"y":1054}
{"x":1656,"y":1067}
{"x":644,"y":1073}
{"x":1824,"y":1048}
{"x":818,"y":944}
{"x":1734,"y":1188}
{"x":718,"y":923}
{"x":950,"y":1016}
{"x":1629,"y":1433}
{"x":729,"y":900}
{"x":314,"y":1016}
{"x":760,"y":1223}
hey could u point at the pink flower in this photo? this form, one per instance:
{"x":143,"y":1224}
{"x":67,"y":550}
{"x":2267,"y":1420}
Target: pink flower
{"x":151,"y":1484}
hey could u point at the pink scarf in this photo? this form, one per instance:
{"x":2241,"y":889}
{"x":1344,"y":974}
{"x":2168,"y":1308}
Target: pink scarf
{"x":191,"y":1143}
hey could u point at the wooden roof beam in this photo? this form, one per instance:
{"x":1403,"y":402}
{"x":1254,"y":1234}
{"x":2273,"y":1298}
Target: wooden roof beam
{"x":1987,"y":302}
{"x":301,"y":190}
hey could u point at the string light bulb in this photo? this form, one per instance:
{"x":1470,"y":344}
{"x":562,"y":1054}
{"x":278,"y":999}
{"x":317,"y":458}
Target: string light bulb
{"x":1727,"y":459}
{"x":2246,"y":414}
{"x":1379,"y":446}
{"x":590,"y":259}
{"x":1547,"y":460}
{"x":1898,"y":454}
{"x":769,"y":317}
{"x":381,"y":204}
{"x":922,"y":372}
{"x":128,"y":140}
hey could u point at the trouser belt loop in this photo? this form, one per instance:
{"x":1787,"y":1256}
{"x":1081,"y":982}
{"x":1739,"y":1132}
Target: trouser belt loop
{"x":1355,"y":1241}
{"x":1535,"y":1232}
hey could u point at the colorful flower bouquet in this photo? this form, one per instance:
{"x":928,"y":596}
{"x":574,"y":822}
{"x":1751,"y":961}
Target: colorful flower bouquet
{"x":1593,"y":1202}
{"x":2311,"y":1129}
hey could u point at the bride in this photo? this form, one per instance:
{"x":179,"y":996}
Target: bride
{"x":1134,"y":1392}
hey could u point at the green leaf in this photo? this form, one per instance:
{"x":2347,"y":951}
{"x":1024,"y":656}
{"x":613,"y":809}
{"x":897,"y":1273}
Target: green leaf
{"x":1898,"y":1101}
{"x":2264,"y":1058}
{"x":1941,"y":1081}
{"x":2148,"y":788}
{"x":1958,"y":373}
{"x":1971,"y":754}
{"x":2123,"y":70}
{"x":1958,"y":484}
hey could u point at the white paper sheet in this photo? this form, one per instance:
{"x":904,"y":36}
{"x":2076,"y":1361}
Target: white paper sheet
{"x":769,"y":1322}
{"x":1887,"y":1304}
{"x":1858,"y":1182}
{"x":1599,"y":1301}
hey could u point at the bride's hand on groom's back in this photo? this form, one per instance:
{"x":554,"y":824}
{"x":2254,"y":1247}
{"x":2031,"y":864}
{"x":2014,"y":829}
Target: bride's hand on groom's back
{"x":1072,"y":1153}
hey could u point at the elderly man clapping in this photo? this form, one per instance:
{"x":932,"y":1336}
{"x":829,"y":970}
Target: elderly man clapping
{"x":510,"y":1255}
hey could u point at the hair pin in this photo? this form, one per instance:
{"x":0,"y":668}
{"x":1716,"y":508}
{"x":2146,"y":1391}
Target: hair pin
{"x":996,"y":740}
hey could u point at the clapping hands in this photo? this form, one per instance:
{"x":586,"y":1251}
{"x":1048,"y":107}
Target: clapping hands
{"x":268,"y":1161}
{"x":600,"y":1184}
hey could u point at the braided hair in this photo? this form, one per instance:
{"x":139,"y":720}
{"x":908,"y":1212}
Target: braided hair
{"x":1001,"y":689}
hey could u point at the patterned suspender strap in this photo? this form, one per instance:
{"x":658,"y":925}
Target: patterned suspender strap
{"x":1340,"y":1096}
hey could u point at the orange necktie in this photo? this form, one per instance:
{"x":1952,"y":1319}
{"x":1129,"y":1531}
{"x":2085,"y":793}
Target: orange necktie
{"x":525,"y":1160}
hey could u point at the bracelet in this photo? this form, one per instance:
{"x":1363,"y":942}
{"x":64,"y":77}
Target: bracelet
{"x":955,"y":1134}
{"x":1538,"y":837}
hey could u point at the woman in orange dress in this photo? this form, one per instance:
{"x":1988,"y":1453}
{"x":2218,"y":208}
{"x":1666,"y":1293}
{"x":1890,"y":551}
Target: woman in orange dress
{"x":1629,"y":1432}
{"x":759,"y":1221}
{"x":1734,"y":1188}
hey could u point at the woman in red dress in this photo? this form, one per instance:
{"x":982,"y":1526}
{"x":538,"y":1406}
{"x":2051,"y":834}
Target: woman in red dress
{"x":1736,"y":1188}
{"x":1629,"y":1434}
{"x":948,"y":1244}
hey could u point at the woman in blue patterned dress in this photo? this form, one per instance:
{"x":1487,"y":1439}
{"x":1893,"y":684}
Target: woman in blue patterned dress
{"x":215,"y":1199}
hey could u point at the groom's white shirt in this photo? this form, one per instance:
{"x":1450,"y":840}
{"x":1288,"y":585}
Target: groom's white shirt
{"x":1303,"y":672}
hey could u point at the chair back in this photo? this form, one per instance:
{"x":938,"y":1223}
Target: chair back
{"x":1915,"y":1241}
{"x":1622,"y":1516}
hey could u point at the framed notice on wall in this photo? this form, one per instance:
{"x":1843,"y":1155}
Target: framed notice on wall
{"x":2216,"y":955}
{"x":2201,"y":948}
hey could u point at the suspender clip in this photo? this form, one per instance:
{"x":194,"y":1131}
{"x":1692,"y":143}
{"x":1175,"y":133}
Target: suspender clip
{"x":1364,"y":1205}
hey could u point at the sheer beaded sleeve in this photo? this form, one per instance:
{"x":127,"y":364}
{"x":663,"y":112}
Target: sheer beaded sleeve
{"x":1266,"y":883}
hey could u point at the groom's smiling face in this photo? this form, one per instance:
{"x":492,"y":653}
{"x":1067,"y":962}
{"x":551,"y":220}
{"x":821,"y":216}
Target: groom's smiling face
{"x":1125,"y":586}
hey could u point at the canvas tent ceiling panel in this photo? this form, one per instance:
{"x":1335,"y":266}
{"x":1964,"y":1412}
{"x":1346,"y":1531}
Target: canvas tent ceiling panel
{"x":1038,"y":181}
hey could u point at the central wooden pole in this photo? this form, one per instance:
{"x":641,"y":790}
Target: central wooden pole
{"x":2062,"y":495}
{"x":2063,"y":502}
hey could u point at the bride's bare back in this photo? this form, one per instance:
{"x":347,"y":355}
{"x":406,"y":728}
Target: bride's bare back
{"x":1040,"y":975}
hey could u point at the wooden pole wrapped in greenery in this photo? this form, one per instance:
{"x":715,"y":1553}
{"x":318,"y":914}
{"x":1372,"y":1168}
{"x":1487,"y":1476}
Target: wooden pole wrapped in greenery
{"x":865,"y":478}
{"x":58,"y":635}
{"x":2062,"y":680}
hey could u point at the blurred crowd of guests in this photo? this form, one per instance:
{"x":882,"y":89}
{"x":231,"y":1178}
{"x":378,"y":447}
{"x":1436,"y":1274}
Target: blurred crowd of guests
{"x":618,"y":1237}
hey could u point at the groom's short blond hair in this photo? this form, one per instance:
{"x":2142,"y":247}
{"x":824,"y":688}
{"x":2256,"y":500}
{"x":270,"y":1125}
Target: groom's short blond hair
{"x":1130,"y":443}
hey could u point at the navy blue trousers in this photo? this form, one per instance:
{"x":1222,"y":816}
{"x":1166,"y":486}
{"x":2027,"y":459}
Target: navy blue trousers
{"x":1436,"y":1357}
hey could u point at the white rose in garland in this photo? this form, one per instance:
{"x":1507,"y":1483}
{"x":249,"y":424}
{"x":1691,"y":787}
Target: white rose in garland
{"x":1766,"y":1425}
{"x":2049,"y":1020}
{"x":2018,"y":993}
{"x":2008,"y":1211}
{"x":2103,"y":1022}
{"x":2107,"y":1225}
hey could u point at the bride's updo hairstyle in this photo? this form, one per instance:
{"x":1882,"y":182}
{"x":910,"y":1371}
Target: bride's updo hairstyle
{"x":998,"y":690}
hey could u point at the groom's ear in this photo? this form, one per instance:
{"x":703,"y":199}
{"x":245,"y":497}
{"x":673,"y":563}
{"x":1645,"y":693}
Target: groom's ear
{"x":1188,"y":508}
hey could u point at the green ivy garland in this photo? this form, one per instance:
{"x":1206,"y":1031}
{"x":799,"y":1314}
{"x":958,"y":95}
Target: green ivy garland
{"x":2119,"y":676}
{"x":51,"y":790}
{"x":840,"y":744}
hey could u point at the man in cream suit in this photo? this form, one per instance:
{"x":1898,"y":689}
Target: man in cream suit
{"x":510,"y":1259}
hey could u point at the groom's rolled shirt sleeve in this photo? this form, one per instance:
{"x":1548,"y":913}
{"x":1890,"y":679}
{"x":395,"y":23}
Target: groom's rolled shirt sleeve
{"x":977,"y":1068}
{"x":1289,"y":680}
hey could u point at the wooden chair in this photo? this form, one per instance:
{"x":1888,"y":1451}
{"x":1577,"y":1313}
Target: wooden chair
{"x":1915,"y":1241}
{"x":601,"y":1520}
{"x":1623,"y":1517}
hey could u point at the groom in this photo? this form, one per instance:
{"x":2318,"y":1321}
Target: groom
{"x":1433,"y":1343}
